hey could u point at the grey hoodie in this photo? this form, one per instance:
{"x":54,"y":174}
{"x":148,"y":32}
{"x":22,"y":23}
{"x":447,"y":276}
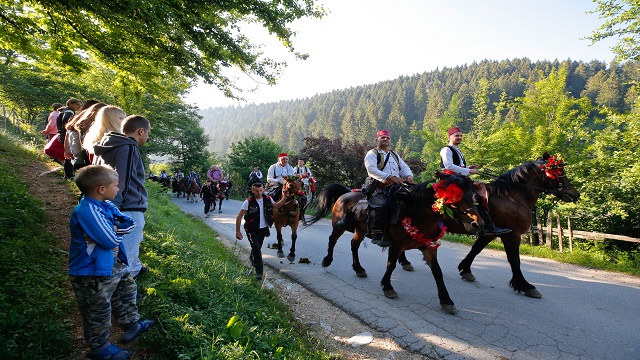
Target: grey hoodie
{"x":121,"y":152}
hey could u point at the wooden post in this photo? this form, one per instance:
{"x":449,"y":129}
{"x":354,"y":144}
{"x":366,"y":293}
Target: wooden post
{"x":560,"y":247}
{"x":570,"y":234}
{"x":549,"y":229}
{"x":540,"y":236}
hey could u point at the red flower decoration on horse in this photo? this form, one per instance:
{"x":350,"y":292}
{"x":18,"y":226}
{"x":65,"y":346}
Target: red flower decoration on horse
{"x":445,"y":195}
{"x":554,"y":167}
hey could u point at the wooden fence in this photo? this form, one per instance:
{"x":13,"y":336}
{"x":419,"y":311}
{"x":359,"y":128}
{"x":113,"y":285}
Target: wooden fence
{"x":560,"y":233}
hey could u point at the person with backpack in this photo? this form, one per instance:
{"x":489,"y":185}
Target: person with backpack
{"x":66,"y":113}
{"x":452,"y":161}
{"x":384,"y":167}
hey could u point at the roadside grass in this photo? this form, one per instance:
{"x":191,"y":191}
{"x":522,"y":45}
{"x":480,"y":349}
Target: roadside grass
{"x":34,"y":305}
{"x":600,"y":255}
{"x":207,"y":305}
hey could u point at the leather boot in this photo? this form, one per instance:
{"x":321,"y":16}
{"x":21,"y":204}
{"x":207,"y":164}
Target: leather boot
{"x":378,"y":223}
{"x":490,"y":229}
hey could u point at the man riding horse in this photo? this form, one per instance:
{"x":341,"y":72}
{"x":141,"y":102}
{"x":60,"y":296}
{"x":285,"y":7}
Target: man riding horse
{"x":384,"y":167}
{"x":277,"y":174}
{"x":453,"y":162}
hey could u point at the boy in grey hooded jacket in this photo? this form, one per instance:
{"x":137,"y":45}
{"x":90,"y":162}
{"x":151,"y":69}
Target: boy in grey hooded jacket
{"x":120,"y":150}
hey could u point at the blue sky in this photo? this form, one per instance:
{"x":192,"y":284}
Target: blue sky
{"x":366,"y":41}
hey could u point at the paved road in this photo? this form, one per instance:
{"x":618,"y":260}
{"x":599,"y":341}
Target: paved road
{"x":583,"y":314}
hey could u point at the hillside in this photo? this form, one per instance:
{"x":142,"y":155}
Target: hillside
{"x":412,"y":103}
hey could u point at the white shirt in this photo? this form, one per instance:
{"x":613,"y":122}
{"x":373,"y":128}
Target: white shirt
{"x":391,"y":169}
{"x":245,"y":207}
{"x":276,"y":173}
{"x":447,"y":160}
{"x":302,"y":170}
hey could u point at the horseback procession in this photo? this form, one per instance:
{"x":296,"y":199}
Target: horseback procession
{"x":398,"y":214}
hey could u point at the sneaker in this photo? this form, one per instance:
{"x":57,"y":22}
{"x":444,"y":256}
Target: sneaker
{"x":110,"y":352}
{"x":143,"y":270}
{"x":132,"y":331}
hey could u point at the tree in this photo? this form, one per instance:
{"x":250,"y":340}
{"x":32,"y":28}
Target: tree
{"x":146,"y":42}
{"x":622,"y":21}
{"x":250,"y":152}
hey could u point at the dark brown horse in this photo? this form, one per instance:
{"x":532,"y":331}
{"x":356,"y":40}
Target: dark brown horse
{"x":220,"y":194}
{"x":419,"y":226}
{"x":193,"y":190}
{"x":512,"y":197}
{"x":289,"y":215}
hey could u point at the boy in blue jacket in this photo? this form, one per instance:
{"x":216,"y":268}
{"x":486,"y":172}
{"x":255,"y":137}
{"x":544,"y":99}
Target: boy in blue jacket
{"x":98,"y":268}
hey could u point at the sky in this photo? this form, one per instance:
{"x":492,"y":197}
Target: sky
{"x":362,"y":42}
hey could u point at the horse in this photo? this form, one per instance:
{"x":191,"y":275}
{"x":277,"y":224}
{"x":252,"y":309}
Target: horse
{"x":420,"y":224}
{"x":179,"y":187}
{"x":193,"y":190}
{"x":289,"y":214}
{"x":512,"y":197}
{"x":220,"y":195}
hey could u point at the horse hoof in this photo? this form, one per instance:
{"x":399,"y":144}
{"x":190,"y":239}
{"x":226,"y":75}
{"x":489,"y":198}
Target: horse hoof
{"x":219,"y":211}
{"x":468,"y":276}
{"x":362,"y":274}
{"x":407,"y":267}
{"x":534,"y":293}
{"x":391,"y":294}
{"x":451,"y":309}
{"x":291,"y":258}
{"x":280,"y":254}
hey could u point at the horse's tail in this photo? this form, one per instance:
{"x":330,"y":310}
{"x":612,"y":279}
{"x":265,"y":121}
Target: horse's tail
{"x":325,"y":200}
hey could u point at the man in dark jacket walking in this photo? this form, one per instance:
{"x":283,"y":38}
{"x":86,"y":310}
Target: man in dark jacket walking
{"x":120,"y":150}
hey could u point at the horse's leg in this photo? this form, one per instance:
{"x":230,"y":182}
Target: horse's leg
{"x":404,"y":262}
{"x":220,"y":205}
{"x":394,"y":252}
{"x":465,"y":265}
{"x":358,"y":237}
{"x":431,"y":257}
{"x":333,"y":239}
{"x":294,"y":236}
{"x":518,"y":282}
{"x":280,"y":253}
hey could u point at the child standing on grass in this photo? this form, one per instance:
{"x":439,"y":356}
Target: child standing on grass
{"x":98,"y":268}
{"x":257,"y":211}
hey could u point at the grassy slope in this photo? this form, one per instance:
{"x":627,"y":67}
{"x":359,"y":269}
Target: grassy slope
{"x":33,"y":302}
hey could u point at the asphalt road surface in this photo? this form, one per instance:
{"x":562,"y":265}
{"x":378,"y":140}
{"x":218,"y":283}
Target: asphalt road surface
{"x":583,"y":313}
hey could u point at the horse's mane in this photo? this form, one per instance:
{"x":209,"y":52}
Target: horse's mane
{"x":421,"y":196}
{"x":517,"y":176}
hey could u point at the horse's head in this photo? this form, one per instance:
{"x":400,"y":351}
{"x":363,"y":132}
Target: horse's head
{"x":454,"y":197}
{"x":294,"y":186}
{"x":554,"y":180}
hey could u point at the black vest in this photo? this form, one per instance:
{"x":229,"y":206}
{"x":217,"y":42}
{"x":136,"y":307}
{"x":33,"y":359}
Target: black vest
{"x":457,"y":157}
{"x":252,"y":216}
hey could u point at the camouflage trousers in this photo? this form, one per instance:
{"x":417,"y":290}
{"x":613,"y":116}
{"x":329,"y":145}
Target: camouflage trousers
{"x":99,"y":297}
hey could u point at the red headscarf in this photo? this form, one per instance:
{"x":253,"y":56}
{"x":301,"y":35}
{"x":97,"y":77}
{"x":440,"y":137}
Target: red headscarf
{"x":383,"y":133}
{"x":453,"y":130}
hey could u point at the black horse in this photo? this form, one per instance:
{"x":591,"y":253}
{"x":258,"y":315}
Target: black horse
{"x":419,"y":226}
{"x":179,"y":187}
{"x":512,"y":197}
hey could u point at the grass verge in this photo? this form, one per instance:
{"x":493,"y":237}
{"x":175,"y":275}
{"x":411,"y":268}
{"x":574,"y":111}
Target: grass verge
{"x":207,"y":305}
{"x":33,"y":301}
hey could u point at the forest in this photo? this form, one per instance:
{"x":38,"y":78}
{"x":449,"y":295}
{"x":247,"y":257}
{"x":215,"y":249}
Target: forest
{"x":511,"y":111}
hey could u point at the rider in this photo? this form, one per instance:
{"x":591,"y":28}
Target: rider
{"x":194,"y":175}
{"x":453,"y":162}
{"x":163,"y":176}
{"x":214,"y":174}
{"x":178,"y":176}
{"x":304,"y":172}
{"x":255,"y":176}
{"x":276,"y":174}
{"x":386,"y":167}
